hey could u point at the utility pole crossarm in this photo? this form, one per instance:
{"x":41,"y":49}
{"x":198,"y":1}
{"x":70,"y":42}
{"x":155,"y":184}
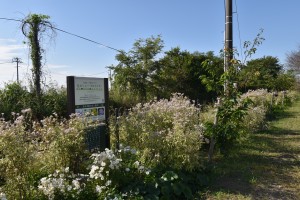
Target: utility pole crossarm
{"x":17,"y":60}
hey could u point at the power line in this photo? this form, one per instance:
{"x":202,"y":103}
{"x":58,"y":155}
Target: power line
{"x":9,"y":19}
{"x":84,"y":38}
{"x":6,"y":63}
{"x":97,"y":73}
{"x":73,"y":34}
{"x":238,"y":23}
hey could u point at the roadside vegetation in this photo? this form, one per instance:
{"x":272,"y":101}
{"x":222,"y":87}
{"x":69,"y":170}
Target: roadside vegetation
{"x":266,"y":166}
{"x":180,"y":135}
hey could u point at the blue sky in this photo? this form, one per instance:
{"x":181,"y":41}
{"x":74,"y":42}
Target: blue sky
{"x":193,"y":25}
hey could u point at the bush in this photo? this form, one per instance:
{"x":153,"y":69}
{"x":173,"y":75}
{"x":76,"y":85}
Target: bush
{"x":265,"y":105}
{"x":255,"y":120}
{"x":166,"y":132}
{"x":15,"y":97}
{"x":31,"y":150}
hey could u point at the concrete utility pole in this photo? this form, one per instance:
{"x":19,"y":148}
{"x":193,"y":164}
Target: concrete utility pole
{"x":228,"y":46}
{"x":17,"y":60}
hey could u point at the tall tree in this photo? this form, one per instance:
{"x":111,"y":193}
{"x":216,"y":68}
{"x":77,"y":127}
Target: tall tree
{"x":134,"y":73}
{"x":293,"y":60}
{"x":180,"y":71}
{"x":260,"y":73}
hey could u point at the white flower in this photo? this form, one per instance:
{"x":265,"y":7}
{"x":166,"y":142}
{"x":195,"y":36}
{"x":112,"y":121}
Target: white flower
{"x":76,"y":184}
{"x":93,"y":171}
{"x":141,"y":168}
{"x":69,"y":188}
{"x":28,"y":110}
{"x":136,"y":164}
{"x":127,"y":169}
{"x":2,"y":196}
{"x":67,"y":169}
{"x":99,"y":189}
{"x":108,"y":183}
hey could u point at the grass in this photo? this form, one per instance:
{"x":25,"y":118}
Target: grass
{"x":267,"y":166}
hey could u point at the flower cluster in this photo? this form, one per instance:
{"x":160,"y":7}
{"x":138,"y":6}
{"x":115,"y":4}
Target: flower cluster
{"x":62,"y":181}
{"x":167,"y":132}
{"x":106,"y":173}
{"x":2,"y":195}
{"x":28,"y":147}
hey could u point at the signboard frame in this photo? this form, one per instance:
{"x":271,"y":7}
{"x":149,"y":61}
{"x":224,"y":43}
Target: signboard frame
{"x":91,"y":87}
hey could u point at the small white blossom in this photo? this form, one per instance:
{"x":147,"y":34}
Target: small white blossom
{"x":76,"y":184}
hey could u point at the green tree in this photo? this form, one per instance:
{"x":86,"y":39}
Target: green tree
{"x":260,"y":73}
{"x":180,"y":71}
{"x":134,"y":74}
{"x":141,"y":75}
{"x":213,"y":71}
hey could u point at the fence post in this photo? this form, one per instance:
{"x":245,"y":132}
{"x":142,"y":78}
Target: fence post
{"x":213,"y":139}
{"x":117,"y":129}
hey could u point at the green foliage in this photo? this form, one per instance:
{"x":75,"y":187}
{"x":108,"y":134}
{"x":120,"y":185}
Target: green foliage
{"x":133,"y":75}
{"x":34,"y":27}
{"x":265,"y":73}
{"x":213,"y":78}
{"x":54,"y":100}
{"x":229,"y":128}
{"x":14,"y":98}
{"x":141,"y":75}
{"x":16,"y":158}
{"x":29,"y":150}
{"x":167,"y":133}
{"x":250,"y":48}
{"x":179,"y":71}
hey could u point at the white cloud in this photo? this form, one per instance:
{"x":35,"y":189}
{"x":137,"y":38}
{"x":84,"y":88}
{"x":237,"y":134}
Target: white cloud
{"x":9,"y":49}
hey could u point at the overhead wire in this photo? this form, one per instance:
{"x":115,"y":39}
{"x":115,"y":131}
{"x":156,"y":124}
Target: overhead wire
{"x":238,"y":26}
{"x":67,"y":32}
{"x":84,"y":38}
{"x":6,"y":63}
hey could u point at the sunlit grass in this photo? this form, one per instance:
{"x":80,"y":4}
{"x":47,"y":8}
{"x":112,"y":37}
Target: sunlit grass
{"x":267,"y":166}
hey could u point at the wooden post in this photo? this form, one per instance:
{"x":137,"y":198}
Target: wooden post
{"x":213,"y":139}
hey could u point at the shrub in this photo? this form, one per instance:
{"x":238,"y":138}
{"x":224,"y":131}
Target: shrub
{"x":15,"y":97}
{"x":111,"y":175}
{"x":166,"y":132}
{"x":55,"y":101}
{"x":255,"y":120}
{"x":30,"y":150}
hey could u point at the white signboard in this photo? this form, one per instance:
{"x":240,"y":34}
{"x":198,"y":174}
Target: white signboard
{"x":89,"y":90}
{"x":90,"y":97}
